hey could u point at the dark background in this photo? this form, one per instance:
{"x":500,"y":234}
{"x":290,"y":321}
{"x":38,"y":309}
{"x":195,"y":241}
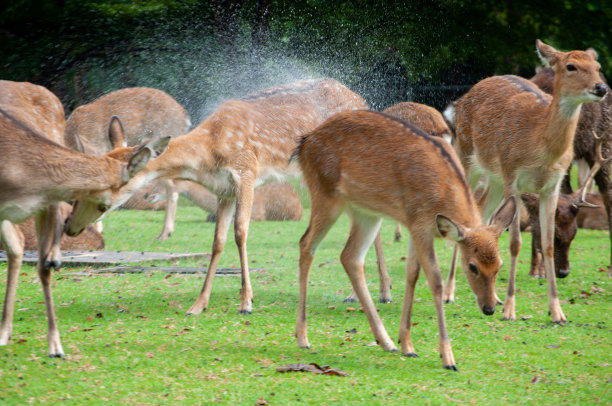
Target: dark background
{"x":204,"y":52}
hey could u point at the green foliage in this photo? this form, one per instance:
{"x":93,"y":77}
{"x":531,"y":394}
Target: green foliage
{"x":127,"y":338}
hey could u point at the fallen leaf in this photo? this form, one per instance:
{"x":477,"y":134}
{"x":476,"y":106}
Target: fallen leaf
{"x":262,"y":401}
{"x":597,"y":289}
{"x":526,"y":317}
{"x":351,"y":331}
{"x":350,"y":309}
{"x":553,"y":346}
{"x":149,"y":355}
{"x":535,"y":379}
{"x":312,"y":367}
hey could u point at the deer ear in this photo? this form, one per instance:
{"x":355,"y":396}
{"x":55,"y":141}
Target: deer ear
{"x":147,"y":151}
{"x":449,"y":229}
{"x":116,"y":134}
{"x":504,"y":216}
{"x":547,"y":54}
{"x":593,"y":53}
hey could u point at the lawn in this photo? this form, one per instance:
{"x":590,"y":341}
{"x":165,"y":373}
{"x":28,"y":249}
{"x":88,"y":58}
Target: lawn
{"x":127,"y":338}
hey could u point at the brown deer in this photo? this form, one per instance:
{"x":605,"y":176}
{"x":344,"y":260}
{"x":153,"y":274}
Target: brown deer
{"x":369,"y":164}
{"x":35,"y":174}
{"x":522,"y":140}
{"x":597,"y":117}
{"x":427,"y":119}
{"x":593,"y":218}
{"x":144,"y":114}
{"x":274,"y":201}
{"x":245,"y":142}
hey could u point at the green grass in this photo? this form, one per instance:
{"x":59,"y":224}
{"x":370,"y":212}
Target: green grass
{"x":127,"y":339}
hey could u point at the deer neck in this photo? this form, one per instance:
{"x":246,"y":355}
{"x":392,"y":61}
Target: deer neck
{"x":560,"y":127}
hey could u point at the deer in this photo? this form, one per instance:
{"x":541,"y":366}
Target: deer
{"x":595,"y":117}
{"x":275,"y":201}
{"x":426,"y":118}
{"x":35,"y":174}
{"x":522,"y":140}
{"x":244,"y":143}
{"x":143,"y":113}
{"x":369,"y":164}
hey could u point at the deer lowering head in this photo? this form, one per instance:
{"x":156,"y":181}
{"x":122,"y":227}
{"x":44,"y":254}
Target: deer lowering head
{"x":241,"y":145}
{"x":521,"y":139}
{"x":371,"y":165}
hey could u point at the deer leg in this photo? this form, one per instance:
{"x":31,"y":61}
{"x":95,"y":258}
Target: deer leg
{"x":45,"y":226}
{"x":225,"y":209}
{"x":602,"y":179}
{"x":244,"y":205}
{"x":323,"y":215}
{"x":383,"y":275}
{"x":515,"y":247}
{"x":412,"y":275}
{"x":13,"y":242}
{"x":449,"y":286}
{"x":171,"y":205}
{"x":427,"y":258}
{"x":363,"y":232}
{"x":398,"y":232}
{"x":548,"y":205}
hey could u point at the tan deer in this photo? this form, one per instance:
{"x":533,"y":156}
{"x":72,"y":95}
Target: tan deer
{"x":37,"y":173}
{"x":370,"y":165}
{"x":144,"y":114}
{"x":241,"y":145}
{"x":522,"y":140}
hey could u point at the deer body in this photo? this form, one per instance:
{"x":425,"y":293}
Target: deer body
{"x":35,"y":175}
{"x":522,"y":140}
{"x":244,"y":143}
{"x":144,"y":113}
{"x":370,"y":164}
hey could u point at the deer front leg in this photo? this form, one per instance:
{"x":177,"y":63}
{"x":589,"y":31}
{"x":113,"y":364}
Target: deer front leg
{"x":412,"y":275}
{"x":515,"y":247}
{"x":171,"y":205}
{"x":225,"y":209}
{"x":13,"y":242}
{"x":244,"y":205}
{"x":548,"y":205}
{"x":45,"y":226}
{"x":383,"y":275}
{"x":449,"y":286}
{"x":363,"y":232}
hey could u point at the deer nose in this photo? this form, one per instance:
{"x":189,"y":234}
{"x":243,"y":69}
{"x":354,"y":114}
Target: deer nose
{"x":562,"y":273}
{"x":488,"y":310}
{"x":601,"y":89}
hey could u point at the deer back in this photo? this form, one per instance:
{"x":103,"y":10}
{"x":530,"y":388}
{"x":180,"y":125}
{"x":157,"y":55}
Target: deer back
{"x":425,"y":117}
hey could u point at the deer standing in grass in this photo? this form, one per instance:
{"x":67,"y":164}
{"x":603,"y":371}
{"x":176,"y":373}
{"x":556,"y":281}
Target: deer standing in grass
{"x":244,"y":143}
{"x":369,"y":164}
{"x":522,"y":139}
{"x":36,"y":174}
{"x":143,"y":114}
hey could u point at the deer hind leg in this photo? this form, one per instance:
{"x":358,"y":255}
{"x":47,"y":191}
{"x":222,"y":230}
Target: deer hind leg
{"x":427,"y":258}
{"x":364,"y":228}
{"x":548,"y":205}
{"x":398,"y":232}
{"x":383,"y":275}
{"x":13,"y":242}
{"x":449,"y":286}
{"x":171,"y":205}
{"x":225,"y":210}
{"x":323,"y":215}
{"x":412,"y":275}
{"x":244,"y":205}
{"x":515,"y":247}
{"x":46,"y":222}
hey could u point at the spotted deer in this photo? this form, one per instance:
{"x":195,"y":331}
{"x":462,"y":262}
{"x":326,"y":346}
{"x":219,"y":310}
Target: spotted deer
{"x":242,"y":144}
{"x":36,"y":173}
{"x":143,"y":114}
{"x":522,"y":140}
{"x":370,"y":165}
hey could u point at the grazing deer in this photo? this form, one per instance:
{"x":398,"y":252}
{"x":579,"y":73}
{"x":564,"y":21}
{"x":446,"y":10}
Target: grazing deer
{"x":369,"y":164}
{"x":427,"y":119}
{"x":595,"y":117}
{"x":522,"y":140}
{"x":144,"y":114}
{"x":245,"y":142}
{"x":593,"y":218}
{"x":36,"y":173}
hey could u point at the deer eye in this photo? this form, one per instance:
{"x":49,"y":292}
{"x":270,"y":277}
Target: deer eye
{"x":570,"y":67}
{"x":103,"y":207}
{"x":473,"y":269}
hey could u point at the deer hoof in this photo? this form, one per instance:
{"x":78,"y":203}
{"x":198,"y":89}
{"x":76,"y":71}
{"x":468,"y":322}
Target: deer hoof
{"x":411,"y":355}
{"x":383,"y":300}
{"x":451,"y":367}
{"x":245,"y":312}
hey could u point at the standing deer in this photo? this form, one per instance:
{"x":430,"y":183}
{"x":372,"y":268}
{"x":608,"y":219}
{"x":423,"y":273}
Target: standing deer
{"x":593,"y":117}
{"x":522,"y":139}
{"x":370,"y":164}
{"x":144,"y":114}
{"x":35,"y":174}
{"x":241,"y":145}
